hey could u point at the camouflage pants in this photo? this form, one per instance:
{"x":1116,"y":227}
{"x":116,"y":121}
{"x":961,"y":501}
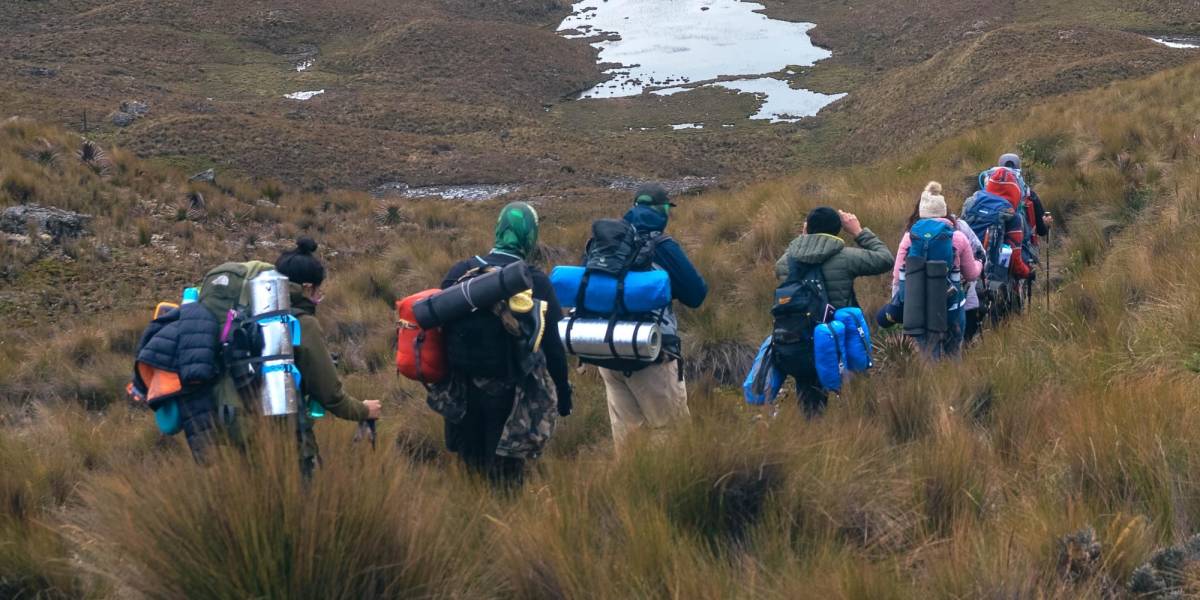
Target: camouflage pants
{"x":495,"y":425}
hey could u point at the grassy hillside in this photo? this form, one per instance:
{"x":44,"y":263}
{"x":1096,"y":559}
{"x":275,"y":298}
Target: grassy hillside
{"x":953,"y":480}
{"x":459,"y":91}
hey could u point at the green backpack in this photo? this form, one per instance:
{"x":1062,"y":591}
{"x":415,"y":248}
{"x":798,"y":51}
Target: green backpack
{"x":224,"y":292}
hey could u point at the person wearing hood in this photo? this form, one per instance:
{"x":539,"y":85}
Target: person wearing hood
{"x":1042,"y":220}
{"x":480,"y":436}
{"x":319,"y":381}
{"x":655,"y":397}
{"x":820,"y":244}
{"x":967,"y":263}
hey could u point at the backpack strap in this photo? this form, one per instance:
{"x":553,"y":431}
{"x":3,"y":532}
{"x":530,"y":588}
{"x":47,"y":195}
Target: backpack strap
{"x":794,"y":269}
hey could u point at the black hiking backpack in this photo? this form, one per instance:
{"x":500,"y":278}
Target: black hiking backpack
{"x":801,"y":304}
{"x":479,"y":344}
{"x":617,"y":248}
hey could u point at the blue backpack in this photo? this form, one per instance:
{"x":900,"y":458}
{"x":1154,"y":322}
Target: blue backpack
{"x":989,"y":216}
{"x":929,"y":283}
{"x":1029,"y":250}
{"x":801,"y":305}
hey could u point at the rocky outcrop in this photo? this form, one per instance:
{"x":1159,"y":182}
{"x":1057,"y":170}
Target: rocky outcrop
{"x":130,"y":111}
{"x":55,"y":222}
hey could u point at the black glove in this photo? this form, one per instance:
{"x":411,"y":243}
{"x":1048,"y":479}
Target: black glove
{"x":564,"y":401}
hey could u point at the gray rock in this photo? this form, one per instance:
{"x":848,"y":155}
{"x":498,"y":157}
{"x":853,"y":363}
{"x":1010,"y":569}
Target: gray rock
{"x":41,"y":72}
{"x":55,"y":222}
{"x":207,"y":176}
{"x":136,"y":108}
{"x":123,"y":119}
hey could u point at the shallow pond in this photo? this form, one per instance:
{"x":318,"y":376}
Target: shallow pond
{"x":304,"y":95}
{"x":473,"y":192}
{"x":670,"y":46}
{"x":1178,"y":42}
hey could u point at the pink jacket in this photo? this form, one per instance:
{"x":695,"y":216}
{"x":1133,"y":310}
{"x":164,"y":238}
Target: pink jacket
{"x":964,"y":257}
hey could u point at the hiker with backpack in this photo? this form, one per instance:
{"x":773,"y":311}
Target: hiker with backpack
{"x":507,"y":367}
{"x":1042,"y":221}
{"x":244,"y":348}
{"x":648,"y":392}
{"x":320,"y":387}
{"x":818,"y":272}
{"x":1000,"y":214}
{"x":934,"y":265}
{"x":971,"y":305}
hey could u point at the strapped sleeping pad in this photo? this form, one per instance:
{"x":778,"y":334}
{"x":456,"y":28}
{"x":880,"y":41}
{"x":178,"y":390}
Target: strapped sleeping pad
{"x":617,"y":248}
{"x":932,"y":286}
{"x":479,"y":344}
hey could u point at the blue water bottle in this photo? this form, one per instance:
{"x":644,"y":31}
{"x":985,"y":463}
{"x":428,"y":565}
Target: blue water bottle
{"x":191,"y":295}
{"x":315,"y":410}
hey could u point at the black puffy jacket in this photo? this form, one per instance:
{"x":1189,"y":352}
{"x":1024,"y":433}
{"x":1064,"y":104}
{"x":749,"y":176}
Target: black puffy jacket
{"x":184,"y":341}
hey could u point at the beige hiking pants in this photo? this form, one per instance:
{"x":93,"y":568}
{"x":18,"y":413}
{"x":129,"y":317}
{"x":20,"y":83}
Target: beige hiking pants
{"x":654,"y":398}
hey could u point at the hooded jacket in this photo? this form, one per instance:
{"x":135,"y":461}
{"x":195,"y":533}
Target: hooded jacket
{"x":840,"y":265}
{"x":687,"y":285}
{"x":318,"y":375}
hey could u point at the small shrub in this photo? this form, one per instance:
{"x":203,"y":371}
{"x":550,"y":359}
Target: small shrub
{"x":20,"y":187}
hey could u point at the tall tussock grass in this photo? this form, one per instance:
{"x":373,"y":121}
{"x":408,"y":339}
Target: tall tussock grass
{"x":249,"y":526}
{"x":1050,"y":462}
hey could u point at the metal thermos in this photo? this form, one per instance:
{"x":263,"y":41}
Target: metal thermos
{"x":278,"y":393}
{"x":636,"y":340}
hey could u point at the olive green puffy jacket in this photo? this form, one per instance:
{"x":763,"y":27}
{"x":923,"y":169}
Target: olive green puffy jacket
{"x":840,"y":265}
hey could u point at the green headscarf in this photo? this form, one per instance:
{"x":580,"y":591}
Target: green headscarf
{"x":517,"y":230}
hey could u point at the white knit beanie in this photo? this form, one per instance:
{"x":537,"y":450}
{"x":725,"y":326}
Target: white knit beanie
{"x":933,"y":203}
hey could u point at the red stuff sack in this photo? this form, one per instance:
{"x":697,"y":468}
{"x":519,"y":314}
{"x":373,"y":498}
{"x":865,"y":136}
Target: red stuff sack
{"x":420,"y":353}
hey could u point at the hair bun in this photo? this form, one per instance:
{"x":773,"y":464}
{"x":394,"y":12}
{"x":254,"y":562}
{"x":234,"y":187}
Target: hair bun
{"x":306,"y":245}
{"x":934,"y":188}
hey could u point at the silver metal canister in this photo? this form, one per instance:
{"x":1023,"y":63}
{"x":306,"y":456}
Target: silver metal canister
{"x":636,"y":340}
{"x":278,"y":392}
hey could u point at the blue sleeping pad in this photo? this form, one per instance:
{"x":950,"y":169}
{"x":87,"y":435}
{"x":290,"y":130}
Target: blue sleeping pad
{"x":645,"y":291}
{"x":764,"y":380}
{"x":858,"y":339}
{"x":828,"y":341}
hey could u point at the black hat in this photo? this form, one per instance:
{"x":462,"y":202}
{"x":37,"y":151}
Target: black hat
{"x":652,"y":194}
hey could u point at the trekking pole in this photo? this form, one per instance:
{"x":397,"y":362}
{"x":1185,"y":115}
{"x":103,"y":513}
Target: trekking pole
{"x":1049,"y":251}
{"x":366,"y":429}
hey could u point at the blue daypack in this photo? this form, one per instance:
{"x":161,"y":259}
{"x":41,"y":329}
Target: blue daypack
{"x":858,"y":339}
{"x":829,"y":339}
{"x":929,"y":283}
{"x":644,"y":291}
{"x":764,"y":380}
{"x":1029,"y":250}
{"x":989,"y":216}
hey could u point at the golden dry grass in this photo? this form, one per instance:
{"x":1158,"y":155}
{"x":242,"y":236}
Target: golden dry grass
{"x":951,"y":480}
